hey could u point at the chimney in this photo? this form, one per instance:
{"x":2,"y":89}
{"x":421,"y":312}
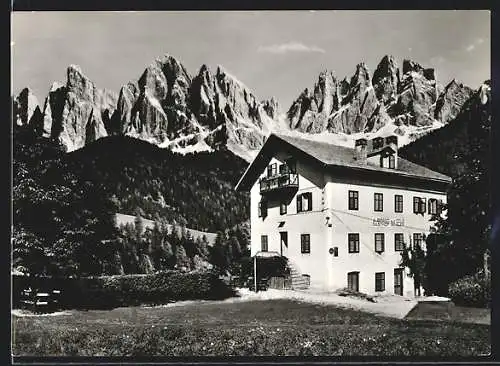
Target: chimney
{"x":360,"y":147}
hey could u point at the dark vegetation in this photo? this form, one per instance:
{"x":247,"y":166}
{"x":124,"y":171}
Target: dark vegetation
{"x":64,"y":207}
{"x":460,"y":244}
{"x":254,"y":328}
{"x":195,"y":190}
{"x":109,"y":292}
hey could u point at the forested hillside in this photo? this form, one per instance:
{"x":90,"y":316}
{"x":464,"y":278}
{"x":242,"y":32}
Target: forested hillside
{"x":191,"y":190}
{"x":65,"y":206}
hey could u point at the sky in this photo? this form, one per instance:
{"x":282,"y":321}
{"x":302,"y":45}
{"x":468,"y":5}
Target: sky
{"x":274,"y":53}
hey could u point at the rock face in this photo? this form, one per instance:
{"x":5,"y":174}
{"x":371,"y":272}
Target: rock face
{"x":171,"y":108}
{"x":73,"y":113}
{"x":346,"y":106}
{"x":451,"y":100}
{"x":26,"y":109}
{"x":165,"y":106}
{"x":365,"y":104}
{"x":168,"y":107}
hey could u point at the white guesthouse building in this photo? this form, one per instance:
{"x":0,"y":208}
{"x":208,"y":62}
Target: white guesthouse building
{"x":340,"y":215}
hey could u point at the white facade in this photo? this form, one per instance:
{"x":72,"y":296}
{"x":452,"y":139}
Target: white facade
{"x":329,"y":222}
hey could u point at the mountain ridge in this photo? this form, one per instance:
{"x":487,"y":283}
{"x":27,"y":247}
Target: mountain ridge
{"x":171,"y":108}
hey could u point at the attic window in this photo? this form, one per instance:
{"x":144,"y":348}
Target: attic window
{"x":392,"y":162}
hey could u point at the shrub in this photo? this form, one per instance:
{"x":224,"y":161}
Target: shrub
{"x":131,"y":290}
{"x":473,"y":290}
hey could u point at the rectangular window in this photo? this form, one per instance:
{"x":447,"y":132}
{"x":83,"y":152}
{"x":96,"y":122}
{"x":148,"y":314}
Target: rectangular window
{"x":398,"y":242}
{"x":262,"y":209}
{"x":353,"y":200}
{"x":353,"y":281}
{"x":380,"y":281}
{"x":304,"y":202}
{"x":392,"y":162}
{"x":398,"y":203}
{"x":416,"y":204}
{"x":305,"y":243}
{"x":379,"y":242}
{"x":378,"y":202}
{"x":272,"y":170}
{"x":417,"y":240}
{"x":283,"y":207}
{"x":263,"y":243}
{"x":353,"y":243}
{"x":419,"y":205}
{"x":433,"y":206}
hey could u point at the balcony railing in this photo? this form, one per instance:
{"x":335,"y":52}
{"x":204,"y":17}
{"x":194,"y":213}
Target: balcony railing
{"x":284,"y":180}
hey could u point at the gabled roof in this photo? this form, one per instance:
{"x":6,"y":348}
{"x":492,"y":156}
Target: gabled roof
{"x":330,"y":155}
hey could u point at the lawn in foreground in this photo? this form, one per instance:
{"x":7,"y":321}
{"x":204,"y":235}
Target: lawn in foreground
{"x":273,"y":327}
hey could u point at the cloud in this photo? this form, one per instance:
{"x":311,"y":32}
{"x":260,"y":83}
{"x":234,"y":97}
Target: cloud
{"x":473,"y":45}
{"x":289,"y":47}
{"x":470,"y":47}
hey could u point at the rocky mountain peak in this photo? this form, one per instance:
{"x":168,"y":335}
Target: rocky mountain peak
{"x":361,"y":76}
{"x":451,"y":100}
{"x":409,"y":65}
{"x":78,"y":83}
{"x":26,"y":109}
{"x":386,"y":79}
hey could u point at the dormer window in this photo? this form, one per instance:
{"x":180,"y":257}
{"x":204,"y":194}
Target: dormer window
{"x":392,"y":162}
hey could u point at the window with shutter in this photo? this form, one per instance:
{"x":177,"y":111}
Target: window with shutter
{"x":262,"y":209}
{"x":283,"y":208}
{"x":299,"y":203}
{"x":423,"y":204}
{"x":433,"y":206}
{"x":416,"y":204}
{"x":309,"y":201}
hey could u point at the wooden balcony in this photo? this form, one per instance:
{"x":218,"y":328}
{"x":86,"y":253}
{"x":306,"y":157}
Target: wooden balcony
{"x":284,"y":182}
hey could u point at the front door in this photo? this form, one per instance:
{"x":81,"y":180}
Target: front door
{"x":398,"y":281}
{"x":353,"y":281}
{"x":284,"y":243}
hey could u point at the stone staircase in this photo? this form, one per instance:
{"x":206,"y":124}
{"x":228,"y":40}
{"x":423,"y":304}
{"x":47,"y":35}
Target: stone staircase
{"x":298,"y":281}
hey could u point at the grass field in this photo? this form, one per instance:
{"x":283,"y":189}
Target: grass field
{"x":273,"y":327}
